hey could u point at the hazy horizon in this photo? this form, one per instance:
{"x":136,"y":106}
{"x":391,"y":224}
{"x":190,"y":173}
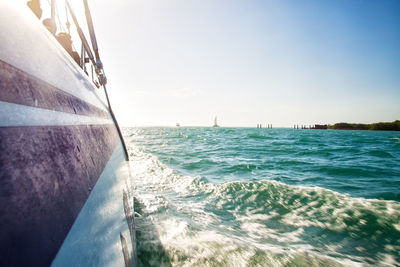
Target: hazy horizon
{"x":264,"y":126}
{"x":250,"y":62}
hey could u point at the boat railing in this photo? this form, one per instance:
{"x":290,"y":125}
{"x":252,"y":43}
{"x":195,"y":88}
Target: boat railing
{"x":88,"y":55}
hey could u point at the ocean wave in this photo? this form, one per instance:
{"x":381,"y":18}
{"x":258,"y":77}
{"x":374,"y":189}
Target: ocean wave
{"x":186,"y":221}
{"x":379,"y":154}
{"x":258,"y":136}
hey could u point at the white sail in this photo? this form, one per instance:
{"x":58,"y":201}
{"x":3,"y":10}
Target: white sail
{"x":215,"y":122}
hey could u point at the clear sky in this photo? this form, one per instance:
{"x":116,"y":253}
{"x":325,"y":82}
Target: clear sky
{"x":249,"y":62}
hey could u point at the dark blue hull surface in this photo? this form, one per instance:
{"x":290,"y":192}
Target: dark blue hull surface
{"x":65,"y":188}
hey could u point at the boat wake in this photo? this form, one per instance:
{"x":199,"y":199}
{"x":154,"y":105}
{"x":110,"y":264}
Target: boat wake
{"x":186,"y":221}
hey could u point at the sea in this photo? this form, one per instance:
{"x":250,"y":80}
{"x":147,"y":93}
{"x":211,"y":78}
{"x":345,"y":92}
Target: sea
{"x":265,"y":197}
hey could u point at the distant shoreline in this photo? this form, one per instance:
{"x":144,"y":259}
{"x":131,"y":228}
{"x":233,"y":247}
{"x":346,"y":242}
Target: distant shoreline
{"x":378,"y":126}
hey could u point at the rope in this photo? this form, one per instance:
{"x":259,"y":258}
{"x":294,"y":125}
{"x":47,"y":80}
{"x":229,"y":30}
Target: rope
{"x":67,"y":23}
{"x":66,"y":15}
{"x":98,"y":66}
{"x":58,"y":18}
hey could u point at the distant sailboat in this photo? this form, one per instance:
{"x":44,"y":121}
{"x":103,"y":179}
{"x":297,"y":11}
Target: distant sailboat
{"x":215,"y":122}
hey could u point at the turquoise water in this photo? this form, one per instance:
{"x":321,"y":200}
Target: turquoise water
{"x":266,"y":197}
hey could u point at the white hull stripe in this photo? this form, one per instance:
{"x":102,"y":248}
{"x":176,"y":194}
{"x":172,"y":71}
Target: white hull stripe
{"x":20,"y":115}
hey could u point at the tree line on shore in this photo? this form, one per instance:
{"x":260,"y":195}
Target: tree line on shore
{"x":379,"y":126}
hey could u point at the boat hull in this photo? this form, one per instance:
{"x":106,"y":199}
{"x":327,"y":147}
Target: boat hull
{"x":65,"y":193}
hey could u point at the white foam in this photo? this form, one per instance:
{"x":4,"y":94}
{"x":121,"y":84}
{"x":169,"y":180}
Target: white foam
{"x":189,"y":218}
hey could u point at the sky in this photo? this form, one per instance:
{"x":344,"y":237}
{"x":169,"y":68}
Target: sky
{"x":249,"y":62}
